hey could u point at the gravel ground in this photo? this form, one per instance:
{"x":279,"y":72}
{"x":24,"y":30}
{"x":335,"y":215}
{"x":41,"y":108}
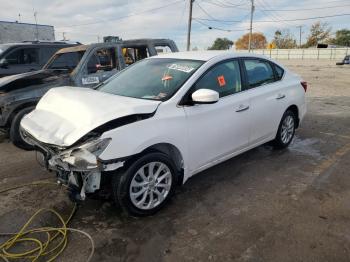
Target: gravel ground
{"x":264,"y":205}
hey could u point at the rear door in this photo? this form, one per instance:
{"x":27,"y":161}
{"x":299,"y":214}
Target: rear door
{"x":220,"y":129}
{"x":268,"y":98}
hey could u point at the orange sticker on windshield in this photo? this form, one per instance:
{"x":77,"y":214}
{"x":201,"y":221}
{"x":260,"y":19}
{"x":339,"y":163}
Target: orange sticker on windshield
{"x":167,"y":77}
{"x":221,"y":81}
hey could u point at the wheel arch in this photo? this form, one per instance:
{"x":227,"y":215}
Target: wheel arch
{"x":19,"y":108}
{"x":171,"y":151}
{"x":295,"y":110}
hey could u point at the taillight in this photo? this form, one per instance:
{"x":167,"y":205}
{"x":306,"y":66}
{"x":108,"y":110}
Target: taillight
{"x":304,"y":84}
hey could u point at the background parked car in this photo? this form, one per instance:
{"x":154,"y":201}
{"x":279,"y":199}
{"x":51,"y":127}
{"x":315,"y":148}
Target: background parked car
{"x":83,"y":65}
{"x":16,"y":58}
{"x":346,"y":61}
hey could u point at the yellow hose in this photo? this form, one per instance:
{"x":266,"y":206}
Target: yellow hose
{"x":55,"y":243}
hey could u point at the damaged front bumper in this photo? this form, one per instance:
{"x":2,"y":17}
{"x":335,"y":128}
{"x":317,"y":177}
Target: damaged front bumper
{"x":78,"y":167}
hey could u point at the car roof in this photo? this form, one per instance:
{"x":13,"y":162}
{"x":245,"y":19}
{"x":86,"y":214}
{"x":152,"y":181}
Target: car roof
{"x":36,"y":44}
{"x":73,"y":49}
{"x":207,"y":55}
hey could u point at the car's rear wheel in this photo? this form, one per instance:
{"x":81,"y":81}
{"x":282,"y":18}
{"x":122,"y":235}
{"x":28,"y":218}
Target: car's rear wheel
{"x":286,"y":130}
{"x":146,"y":185}
{"x":15,"y":134}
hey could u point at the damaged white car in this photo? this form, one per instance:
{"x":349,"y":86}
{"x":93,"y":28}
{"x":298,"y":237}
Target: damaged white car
{"x":162,"y":120}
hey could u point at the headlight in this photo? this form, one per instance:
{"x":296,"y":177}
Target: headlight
{"x":96,"y":147}
{"x":85,"y":156}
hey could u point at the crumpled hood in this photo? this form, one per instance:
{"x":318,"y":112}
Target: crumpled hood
{"x":66,"y":114}
{"x":34,"y":78}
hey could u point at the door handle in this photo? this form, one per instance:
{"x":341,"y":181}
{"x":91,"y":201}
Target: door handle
{"x":242,"y":108}
{"x":280,"y":96}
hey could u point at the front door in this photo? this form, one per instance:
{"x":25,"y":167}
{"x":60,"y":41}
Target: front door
{"x":101,"y":65}
{"x":220,"y":129}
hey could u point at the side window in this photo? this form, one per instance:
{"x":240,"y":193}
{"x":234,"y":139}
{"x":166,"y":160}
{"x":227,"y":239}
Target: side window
{"x":23,"y":56}
{"x":279,"y":72}
{"x":162,"y":49}
{"x":133,"y":54}
{"x":103,"y":59}
{"x":259,"y":72}
{"x":224,"y":78}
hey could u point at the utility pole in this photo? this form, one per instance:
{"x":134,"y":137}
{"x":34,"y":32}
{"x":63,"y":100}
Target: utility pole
{"x":36,"y":25}
{"x":251,"y":25}
{"x":300,"y":27}
{"x":189,"y":26}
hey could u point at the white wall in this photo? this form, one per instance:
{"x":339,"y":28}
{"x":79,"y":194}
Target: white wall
{"x":18,"y":32}
{"x":308,"y":53}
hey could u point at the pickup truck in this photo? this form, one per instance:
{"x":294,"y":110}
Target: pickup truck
{"x":82,"y":66}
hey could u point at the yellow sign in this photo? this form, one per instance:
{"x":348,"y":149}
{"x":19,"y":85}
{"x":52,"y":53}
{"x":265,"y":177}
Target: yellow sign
{"x":271,"y":45}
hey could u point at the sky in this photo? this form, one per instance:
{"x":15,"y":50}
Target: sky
{"x":88,"y":21}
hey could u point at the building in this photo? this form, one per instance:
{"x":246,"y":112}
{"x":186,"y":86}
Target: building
{"x":11,"y":32}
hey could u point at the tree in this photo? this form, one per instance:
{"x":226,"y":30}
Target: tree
{"x":221,"y":44}
{"x":258,"y":41}
{"x":342,"y":38}
{"x":319,"y":32}
{"x":283,"y":39}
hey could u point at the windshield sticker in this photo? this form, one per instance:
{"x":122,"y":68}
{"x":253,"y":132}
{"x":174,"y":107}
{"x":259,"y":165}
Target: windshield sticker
{"x":182,"y":68}
{"x":167,"y":77}
{"x":221,"y":81}
{"x":90,"y":80}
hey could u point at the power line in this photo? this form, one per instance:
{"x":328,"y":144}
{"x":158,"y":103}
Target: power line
{"x":123,"y":17}
{"x":223,"y":21}
{"x":205,"y":12}
{"x":302,"y":19}
{"x":215,"y":19}
{"x":220,"y":4}
{"x":302,"y":9}
{"x":218,"y":28}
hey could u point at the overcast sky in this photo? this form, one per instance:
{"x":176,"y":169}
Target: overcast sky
{"x":85,"y":20}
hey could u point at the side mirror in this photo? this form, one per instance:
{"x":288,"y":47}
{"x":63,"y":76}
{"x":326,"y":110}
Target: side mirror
{"x":4,"y":63}
{"x":205,"y":96}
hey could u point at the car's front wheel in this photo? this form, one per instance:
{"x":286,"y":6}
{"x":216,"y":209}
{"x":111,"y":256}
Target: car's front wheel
{"x":15,"y":135}
{"x":286,"y":130}
{"x":146,"y":185}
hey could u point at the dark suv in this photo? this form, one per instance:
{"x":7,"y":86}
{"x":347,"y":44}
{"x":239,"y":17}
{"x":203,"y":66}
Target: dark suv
{"x":16,"y":58}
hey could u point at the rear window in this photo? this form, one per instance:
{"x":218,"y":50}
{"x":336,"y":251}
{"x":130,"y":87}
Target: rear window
{"x":279,"y":72}
{"x":259,"y":72}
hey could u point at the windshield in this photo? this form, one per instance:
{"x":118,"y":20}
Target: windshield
{"x":154,"y":79}
{"x":67,"y":61}
{"x":3,"y":48}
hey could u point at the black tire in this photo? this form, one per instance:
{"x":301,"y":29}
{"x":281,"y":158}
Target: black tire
{"x":15,"y":135}
{"x":121,"y":184}
{"x":279,"y":142}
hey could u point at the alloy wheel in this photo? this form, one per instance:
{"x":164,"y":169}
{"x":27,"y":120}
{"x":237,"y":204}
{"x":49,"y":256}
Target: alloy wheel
{"x":150,"y":185}
{"x":287,"y":129}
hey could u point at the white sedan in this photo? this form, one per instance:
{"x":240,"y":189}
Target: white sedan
{"x":162,"y":120}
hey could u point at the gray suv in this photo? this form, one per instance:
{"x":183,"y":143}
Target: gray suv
{"x":16,"y":58}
